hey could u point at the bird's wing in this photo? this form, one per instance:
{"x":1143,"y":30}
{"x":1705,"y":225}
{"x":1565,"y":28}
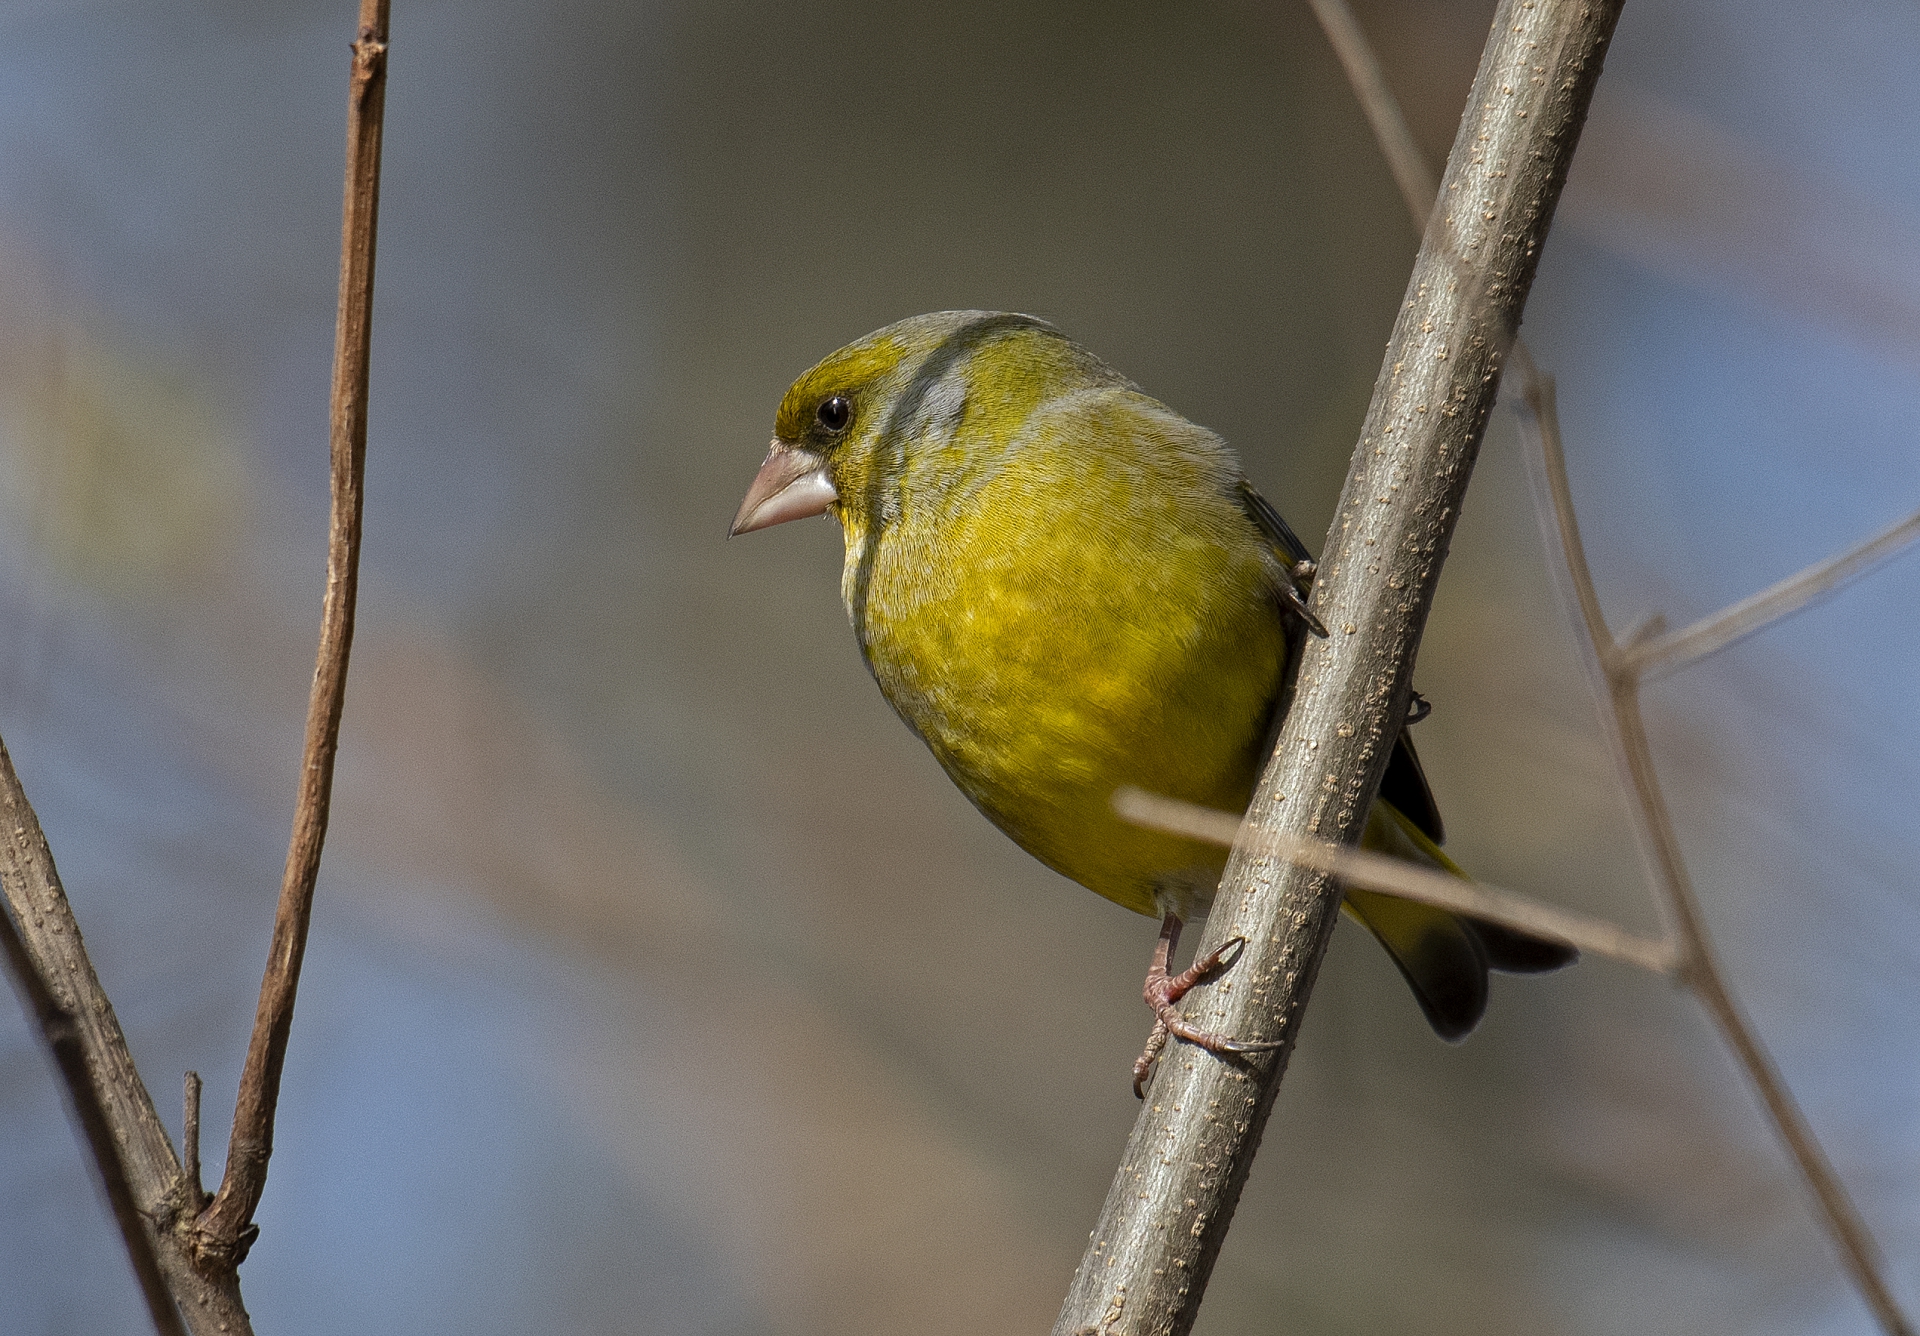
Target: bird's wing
{"x":1406,"y":787}
{"x":1292,"y":552}
{"x":1277,"y":530}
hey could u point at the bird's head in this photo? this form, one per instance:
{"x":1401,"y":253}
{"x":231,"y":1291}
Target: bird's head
{"x":894,"y":402}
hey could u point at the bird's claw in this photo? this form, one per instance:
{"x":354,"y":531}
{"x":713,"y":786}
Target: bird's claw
{"x":1162,"y":991}
{"x":1143,"y":1065}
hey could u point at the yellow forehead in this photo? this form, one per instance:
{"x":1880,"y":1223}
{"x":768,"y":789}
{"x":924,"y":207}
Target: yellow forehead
{"x":847,"y":371}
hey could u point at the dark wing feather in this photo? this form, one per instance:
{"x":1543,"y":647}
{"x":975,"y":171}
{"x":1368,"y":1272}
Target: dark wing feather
{"x":1293,"y":553}
{"x":1406,"y":787}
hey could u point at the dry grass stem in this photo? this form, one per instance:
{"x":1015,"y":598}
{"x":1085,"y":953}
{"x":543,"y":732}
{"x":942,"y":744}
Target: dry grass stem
{"x":1377,"y":872}
{"x":225,"y":1227}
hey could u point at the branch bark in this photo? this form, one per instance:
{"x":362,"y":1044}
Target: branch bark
{"x":225,"y":1229}
{"x":123,"y":1133}
{"x":1167,"y":1213}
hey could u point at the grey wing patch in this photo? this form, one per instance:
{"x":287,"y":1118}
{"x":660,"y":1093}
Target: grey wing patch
{"x":1293,"y":554}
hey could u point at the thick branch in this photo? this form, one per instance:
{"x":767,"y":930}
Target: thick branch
{"x":225,"y":1228}
{"x":1167,"y":1213}
{"x":123,"y":1132}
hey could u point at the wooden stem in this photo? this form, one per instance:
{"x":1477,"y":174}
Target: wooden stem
{"x":118,"y":1122}
{"x":1167,"y":1213}
{"x":225,"y":1228}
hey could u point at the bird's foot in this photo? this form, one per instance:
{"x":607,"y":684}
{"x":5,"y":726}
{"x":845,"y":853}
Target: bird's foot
{"x":1162,"y":991}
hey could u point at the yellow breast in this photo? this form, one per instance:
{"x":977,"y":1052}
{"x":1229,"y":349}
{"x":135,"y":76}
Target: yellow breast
{"x":1085,"y":608}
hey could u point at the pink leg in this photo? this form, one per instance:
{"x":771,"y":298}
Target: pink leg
{"x":1162,"y":991}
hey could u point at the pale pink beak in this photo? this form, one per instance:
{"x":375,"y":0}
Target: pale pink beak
{"x":791,"y":485}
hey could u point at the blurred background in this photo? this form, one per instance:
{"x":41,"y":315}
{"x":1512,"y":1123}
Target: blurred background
{"x":660,"y":982}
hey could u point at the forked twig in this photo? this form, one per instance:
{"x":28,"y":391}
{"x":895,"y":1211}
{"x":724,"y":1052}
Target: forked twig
{"x":1659,"y":655}
{"x":225,"y":1228}
{"x":127,"y":1141}
{"x":1700,"y":969}
{"x":186,"y":1259}
{"x":1377,"y":872}
{"x":1623,"y":668}
{"x":60,"y":1031}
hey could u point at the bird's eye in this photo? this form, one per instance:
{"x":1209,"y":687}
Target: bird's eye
{"x":835,"y":413}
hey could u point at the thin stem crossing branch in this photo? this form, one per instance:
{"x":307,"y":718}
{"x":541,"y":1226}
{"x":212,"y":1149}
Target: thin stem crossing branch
{"x":1377,"y":872}
{"x":225,"y":1227}
{"x":1397,"y":144}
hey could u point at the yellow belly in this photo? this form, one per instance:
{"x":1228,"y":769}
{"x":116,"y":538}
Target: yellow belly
{"x":1047,"y":660}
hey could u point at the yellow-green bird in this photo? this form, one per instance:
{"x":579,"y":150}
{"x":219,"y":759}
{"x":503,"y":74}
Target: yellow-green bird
{"x":1064,"y":587}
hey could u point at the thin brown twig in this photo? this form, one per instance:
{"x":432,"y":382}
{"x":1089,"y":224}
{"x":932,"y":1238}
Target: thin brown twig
{"x":1390,"y":130}
{"x":1377,"y":872}
{"x":1659,"y":655}
{"x":128,"y":1143}
{"x":1700,"y":969}
{"x":190,"y":1141}
{"x":225,"y":1228}
{"x":61,"y":1034}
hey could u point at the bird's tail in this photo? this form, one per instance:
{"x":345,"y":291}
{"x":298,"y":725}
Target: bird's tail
{"x":1444,"y":956}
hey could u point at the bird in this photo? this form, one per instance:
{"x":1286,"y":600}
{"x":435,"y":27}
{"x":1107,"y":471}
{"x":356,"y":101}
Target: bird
{"x":1064,"y":588}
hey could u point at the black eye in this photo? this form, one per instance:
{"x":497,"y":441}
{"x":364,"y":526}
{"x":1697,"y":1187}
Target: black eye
{"x":835,"y":413}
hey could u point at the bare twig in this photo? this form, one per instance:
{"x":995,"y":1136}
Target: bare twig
{"x":190,"y":1141}
{"x":1167,"y":1212}
{"x":225,"y":1228}
{"x":48,"y":963}
{"x":1404,"y":158}
{"x":1699,"y":968}
{"x":61,"y":1033}
{"x":185,"y":1259}
{"x":1660,"y":655}
{"x":1377,"y":872}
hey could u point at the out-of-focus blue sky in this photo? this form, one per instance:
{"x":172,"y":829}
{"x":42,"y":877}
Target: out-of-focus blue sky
{"x":660,"y":982}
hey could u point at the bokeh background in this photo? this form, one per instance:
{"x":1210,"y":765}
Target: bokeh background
{"x":660,"y":983}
